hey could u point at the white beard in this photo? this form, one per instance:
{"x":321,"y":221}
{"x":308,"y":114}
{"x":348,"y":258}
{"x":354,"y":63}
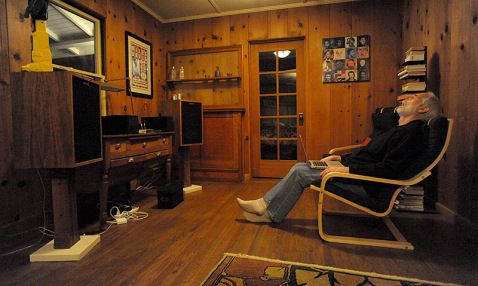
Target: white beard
{"x":406,"y":110}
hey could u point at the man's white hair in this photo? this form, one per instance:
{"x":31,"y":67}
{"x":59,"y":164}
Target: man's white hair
{"x":433,"y":103}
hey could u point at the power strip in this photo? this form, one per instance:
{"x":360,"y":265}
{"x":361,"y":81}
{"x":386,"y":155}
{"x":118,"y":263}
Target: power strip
{"x":121,"y":220}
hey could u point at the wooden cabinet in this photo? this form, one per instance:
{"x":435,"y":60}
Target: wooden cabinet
{"x":220,"y":155}
{"x":129,"y":150}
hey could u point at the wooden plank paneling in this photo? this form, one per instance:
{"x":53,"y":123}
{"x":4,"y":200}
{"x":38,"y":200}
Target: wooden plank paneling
{"x":5,"y":98}
{"x":340,"y":93}
{"x":238,"y":29}
{"x":258,"y":25}
{"x":202,"y":33}
{"x":385,"y":54}
{"x":297,"y":22}
{"x":277,"y":24}
{"x":361,"y":92}
{"x":318,"y":94}
{"x":220,"y":35}
{"x":19,"y":33}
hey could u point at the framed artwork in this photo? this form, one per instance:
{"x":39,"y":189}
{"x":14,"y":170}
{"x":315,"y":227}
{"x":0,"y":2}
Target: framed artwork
{"x":346,"y":59}
{"x":138,"y":65}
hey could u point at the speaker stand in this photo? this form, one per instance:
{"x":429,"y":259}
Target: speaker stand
{"x":188,"y":187}
{"x":67,"y":245}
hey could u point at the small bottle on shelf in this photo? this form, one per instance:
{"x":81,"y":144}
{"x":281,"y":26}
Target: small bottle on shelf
{"x":172,"y":76}
{"x":181,"y":72}
{"x":217,"y":73}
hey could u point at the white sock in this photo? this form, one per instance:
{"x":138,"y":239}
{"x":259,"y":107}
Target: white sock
{"x":257,"y":218}
{"x":257,"y":207}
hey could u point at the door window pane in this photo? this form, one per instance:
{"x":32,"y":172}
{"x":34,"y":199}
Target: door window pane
{"x":268,"y":150}
{"x":268,"y":105}
{"x":288,"y":127}
{"x":287,"y":82}
{"x":287,"y":60}
{"x":287,"y":105}
{"x":267,"y":61}
{"x":267,"y":83}
{"x":288,"y":150}
{"x":268,"y":128}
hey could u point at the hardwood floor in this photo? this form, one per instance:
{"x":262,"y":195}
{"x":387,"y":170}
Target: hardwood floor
{"x":180,"y":246}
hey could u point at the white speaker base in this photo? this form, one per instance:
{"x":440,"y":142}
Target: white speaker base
{"x":192,"y":189}
{"x":74,"y":253}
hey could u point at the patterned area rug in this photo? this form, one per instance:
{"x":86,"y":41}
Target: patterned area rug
{"x":245,"y":270}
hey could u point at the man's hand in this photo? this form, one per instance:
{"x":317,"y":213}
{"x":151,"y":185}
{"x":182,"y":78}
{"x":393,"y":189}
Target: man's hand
{"x":335,"y":169}
{"x":331,"y":158}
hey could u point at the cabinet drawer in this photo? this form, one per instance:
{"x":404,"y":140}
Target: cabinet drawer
{"x":142,"y":146}
{"x":137,"y":159}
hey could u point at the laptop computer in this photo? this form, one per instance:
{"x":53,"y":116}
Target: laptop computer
{"x":317,"y":164}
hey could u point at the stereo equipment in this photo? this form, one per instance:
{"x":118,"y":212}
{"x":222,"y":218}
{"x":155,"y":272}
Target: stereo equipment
{"x":120,"y":124}
{"x":158,"y":123}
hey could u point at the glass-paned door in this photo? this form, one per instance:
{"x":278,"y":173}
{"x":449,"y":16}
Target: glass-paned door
{"x":276,"y":85}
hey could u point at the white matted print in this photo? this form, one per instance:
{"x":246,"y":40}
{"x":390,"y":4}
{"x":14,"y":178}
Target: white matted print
{"x":138,"y":66}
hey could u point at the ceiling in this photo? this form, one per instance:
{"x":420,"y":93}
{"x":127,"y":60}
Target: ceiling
{"x":167,"y":11}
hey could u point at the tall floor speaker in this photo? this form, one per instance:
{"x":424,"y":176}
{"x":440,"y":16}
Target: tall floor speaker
{"x":57,"y":126}
{"x":56,"y":119}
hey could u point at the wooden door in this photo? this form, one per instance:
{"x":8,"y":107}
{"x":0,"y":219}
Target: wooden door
{"x":277,"y":106}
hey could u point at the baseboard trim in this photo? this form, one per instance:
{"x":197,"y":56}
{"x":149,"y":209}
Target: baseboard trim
{"x":451,"y":214}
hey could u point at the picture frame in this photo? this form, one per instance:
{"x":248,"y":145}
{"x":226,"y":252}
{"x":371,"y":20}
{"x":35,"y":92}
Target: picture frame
{"x":139,"y":69}
{"x":346,"y":59}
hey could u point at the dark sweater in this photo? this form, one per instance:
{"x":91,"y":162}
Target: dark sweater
{"x":388,"y":154}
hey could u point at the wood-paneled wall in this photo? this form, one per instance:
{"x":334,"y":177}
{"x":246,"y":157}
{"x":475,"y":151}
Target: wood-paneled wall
{"x":20,"y":190}
{"x":337,"y":114}
{"x":450,"y":30}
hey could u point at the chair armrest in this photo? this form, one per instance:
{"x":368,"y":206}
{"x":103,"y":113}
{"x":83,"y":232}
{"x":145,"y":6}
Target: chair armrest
{"x":344,"y":148}
{"x":408,"y":182}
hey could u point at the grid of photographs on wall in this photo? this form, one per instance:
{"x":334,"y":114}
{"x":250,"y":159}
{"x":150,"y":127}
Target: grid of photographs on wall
{"x":346,"y":59}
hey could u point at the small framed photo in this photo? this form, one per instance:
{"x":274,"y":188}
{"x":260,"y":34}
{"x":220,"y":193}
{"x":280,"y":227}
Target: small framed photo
{"x":346,"y":58}
{"x":139,"y":68}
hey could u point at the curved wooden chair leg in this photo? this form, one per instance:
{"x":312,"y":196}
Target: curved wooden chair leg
{"x":400,"y":243}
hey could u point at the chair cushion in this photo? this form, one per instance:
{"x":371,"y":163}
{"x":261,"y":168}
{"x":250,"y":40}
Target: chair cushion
{"x":383,"y":120}
{"x":436,"y":132}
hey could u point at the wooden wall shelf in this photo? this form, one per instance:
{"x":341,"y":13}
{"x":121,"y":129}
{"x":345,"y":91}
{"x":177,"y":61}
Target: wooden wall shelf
{"x":214,"y":79}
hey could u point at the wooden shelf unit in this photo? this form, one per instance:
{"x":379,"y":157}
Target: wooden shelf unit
{"x":200,"y":82}
{"x":414,"y":78}
{"x":220,"y":155}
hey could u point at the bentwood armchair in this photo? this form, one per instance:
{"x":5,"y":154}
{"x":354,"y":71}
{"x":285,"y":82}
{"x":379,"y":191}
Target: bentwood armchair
{"x":339,"y":186}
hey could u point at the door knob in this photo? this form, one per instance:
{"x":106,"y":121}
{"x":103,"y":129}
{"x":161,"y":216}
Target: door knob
{"x":301,"y":119}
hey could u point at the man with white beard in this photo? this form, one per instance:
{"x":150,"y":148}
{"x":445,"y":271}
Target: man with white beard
{"x":386,"y":156}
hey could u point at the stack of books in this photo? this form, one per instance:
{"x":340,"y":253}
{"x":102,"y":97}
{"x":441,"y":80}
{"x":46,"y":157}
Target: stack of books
{"x":412,"y":70}
{"x":415,"y":54}
{"x":414,"y":86}
{"x":411,"y":199}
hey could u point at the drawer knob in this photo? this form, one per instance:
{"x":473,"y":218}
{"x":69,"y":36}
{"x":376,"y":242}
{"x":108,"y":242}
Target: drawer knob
{"x":144,"y":144}
{"x":130,"y":160}
{"x":117,"y":146}
{"x":164,"y":140}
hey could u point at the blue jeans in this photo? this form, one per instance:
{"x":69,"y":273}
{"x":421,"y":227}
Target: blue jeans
{"x":283,"y":196}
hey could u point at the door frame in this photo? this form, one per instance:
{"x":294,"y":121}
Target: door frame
{"x":275,"y":168}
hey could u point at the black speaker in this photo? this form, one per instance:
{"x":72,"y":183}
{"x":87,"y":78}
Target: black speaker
{"x":159,"y":123}
{"x":120,"y":124}
{"x":191,"y":121}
